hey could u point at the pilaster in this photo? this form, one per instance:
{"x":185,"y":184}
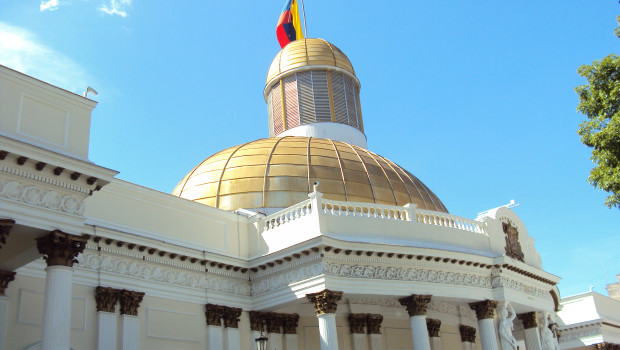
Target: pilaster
{"x":130,"y":322}
{"x":433,"y":327}
{"x":106,"y":299}
{"x":468,"y":337}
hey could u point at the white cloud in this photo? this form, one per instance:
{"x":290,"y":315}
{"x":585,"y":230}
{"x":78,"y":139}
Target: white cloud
{"x":115,"y":7}
{"x":20,"y":50}
{"x":49,"y":5}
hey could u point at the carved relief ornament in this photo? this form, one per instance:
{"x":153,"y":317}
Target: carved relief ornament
{"x":528,"y":319}
{"x":513,"y":247}
{"x":214,"y":314}
{"x":415,"y":304}
{"x":130,"y":302}
{"x":373,"y":323}
{"x":606,"y":346}
{"x":325,"y":302}
{"x":61,"y":249}
{"x":5,"y":228}
{"x":468,"y":334}
{"x":231,"y":317}
{"x":289,"y":323}
{"x":484,"y":309}
{"x":107,"y":298}
{"x":257,"y":321}
{"x":272,"y":322}
{"x":5,"y":278}
{"x":433,"y":326}
{"x":357,"y":322}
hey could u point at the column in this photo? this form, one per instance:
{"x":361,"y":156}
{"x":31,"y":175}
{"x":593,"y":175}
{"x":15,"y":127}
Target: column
{"x":416,"y":307}
{"x":468,"y":337}
{"x":5,"y":278}
{"x":373,"y":328}
{"x":532,"y":336}
{"x":59,"y":250}
{"x":231,"y":322}
{"x":106,"y":299}
{"x":289,"y":325}
{"x":257,"y":327}
{"x":433,"y":327}
{"x":273,"y":322}
{"x":325,"y":305}
{"x":215,"y":337}
{"x":357,"y":323}
{"x":6,"y":225}
{"x":130,"y":322}
{"x":485,"y":312}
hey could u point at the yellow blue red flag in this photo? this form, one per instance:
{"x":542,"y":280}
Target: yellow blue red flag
{"x":289,"y":24}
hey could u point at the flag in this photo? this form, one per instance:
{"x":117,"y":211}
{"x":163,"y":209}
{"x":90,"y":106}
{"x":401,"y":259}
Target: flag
{"x":289,"y":24}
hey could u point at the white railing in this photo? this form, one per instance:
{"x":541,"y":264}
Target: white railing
{"x":447,"y":220}
{"x":287,"y":215}
{"x":363,"y":210}
{"x":370,"y":211}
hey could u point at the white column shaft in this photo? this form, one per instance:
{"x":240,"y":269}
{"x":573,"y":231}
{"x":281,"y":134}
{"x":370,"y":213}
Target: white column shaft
{"x":4,"y":304}
{"x":254,"y":335}
{"x":376,"y":342}
{"x":130,"y":332}
{"x":275,"y":341}
{"x":291,"y":341}
{"x":57,"y":308}
{"x":360,"y":341}
{"x":419,"y":333}
{"x":532,"y":339}
{"x":215,"y":338}
{"x":435,"y":343}
{"x":106,"y":334}
{"x":488,"y":335}
{"x":328,"y":331}
{"x":233,"y":338}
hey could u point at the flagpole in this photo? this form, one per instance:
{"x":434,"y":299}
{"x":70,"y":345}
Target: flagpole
{"x":303,"y":10}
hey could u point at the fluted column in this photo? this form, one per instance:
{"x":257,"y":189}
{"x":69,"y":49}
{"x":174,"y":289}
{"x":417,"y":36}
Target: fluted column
{"x":215,"y":334}
{"x":357,"y":323}
{"x":289,"y":325}
{"x":433,"y":327}
{"x":468,"y":337}
{"x":231,"y":323}
{"x":5,"y":278}
{"x":59,"y":250}
{"x":130,"y":322}
{"x":485,"y":312}
{"x":532,"y":335}
{"x":373,"y":328}
{"x":416,"y":307}
{"x":325,"y":305}
{"x":106,"y":299}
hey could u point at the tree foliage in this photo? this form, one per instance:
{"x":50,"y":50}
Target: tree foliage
{"x":599,"y":101}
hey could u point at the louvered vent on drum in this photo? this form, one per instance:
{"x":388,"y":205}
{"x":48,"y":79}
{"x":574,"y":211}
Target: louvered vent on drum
{"x":340,"y":106}
{"x":321,"y":96}
{"x":270,"y":114}
{"x":276,"y":101}
{"x":306,"y":97}
{"x":291,"y":101}
{"x":350,"y":98}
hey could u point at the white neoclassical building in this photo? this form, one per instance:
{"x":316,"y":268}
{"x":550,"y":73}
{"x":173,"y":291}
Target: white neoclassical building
{"x":306,"y":237}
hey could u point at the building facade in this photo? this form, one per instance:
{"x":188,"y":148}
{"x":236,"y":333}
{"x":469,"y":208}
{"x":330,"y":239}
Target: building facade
{"x":306,"y":237}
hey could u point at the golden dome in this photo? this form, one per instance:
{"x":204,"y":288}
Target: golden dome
{"x":279,"y":172}
{"x":308,"y":52}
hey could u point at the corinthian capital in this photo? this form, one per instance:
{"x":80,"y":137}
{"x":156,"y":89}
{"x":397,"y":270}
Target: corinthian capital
{"x":5,"y":228}
{"x":59,"y":248}
{"x":484,"y":309}
{"x":325,"y":302}
{"x":415,"y":304}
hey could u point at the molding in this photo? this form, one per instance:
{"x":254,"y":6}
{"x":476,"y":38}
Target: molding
{"x":41,"y":197}
{"x":45,"y":179}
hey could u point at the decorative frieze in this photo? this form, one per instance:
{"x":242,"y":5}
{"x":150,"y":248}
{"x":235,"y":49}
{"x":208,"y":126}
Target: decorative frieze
{"x":433,"y":327}
{"x":130,"y":302}
{"x":468,"y":334}
{"x":5,"y":228}
{"x":325,"y":301}
{"x":484,"y":309}
{"x":528,"y":319}
{"x":59,"y":248}
{"x":41,"y":197}
{"x":107,"y":298}
{"x":5,"y":278}
{"x":415,"y":304}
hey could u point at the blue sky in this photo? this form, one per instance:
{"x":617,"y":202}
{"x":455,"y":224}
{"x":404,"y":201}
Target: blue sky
{"x":475,"y":98}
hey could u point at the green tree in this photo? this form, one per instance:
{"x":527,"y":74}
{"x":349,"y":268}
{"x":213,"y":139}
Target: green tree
{"x":599,"y":101}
